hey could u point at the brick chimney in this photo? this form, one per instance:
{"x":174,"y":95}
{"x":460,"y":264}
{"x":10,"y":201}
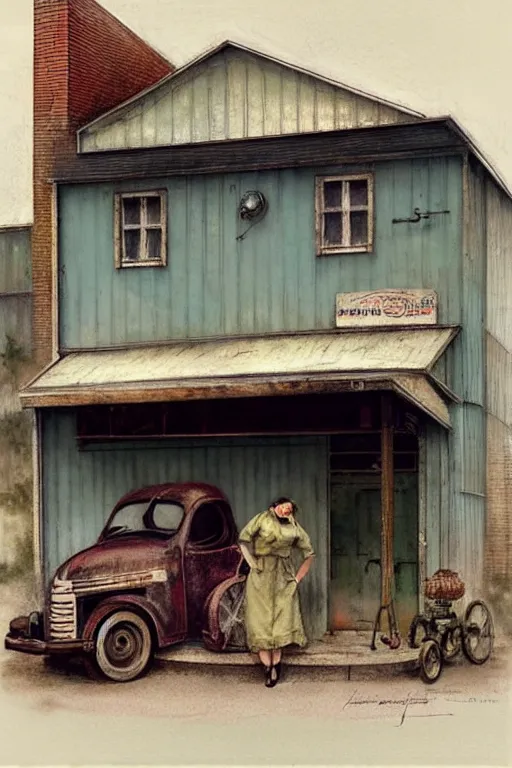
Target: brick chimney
{"x":85,"y":63}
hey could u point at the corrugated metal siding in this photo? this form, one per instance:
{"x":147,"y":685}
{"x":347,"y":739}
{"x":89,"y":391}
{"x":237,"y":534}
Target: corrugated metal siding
{"x":455,"y":502}
{"x":468,"y":543}
{"x":473,"y":289}
{"x":80,"y":488}
{"x":462,"y":528}
{"x":499,"y":266}
{"x":437,"y":502}
{"x":271,"y":280}
{"x":499,"y":389}
{"x":235,"y":95}
{"x":471,"y":443}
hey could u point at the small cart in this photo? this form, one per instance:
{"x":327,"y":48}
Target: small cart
{"x":441,"y":635}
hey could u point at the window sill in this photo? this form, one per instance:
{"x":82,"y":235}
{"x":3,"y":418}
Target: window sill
{"x":132,"y":264}
{"x":340,"y":251}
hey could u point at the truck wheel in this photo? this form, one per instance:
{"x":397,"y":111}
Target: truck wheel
{"x":124,"y":647}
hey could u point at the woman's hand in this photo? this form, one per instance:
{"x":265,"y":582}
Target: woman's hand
{"x":249,"y":559}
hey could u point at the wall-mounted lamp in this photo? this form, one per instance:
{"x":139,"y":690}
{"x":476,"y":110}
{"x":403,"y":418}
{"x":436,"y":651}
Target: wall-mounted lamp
{"x":252,"y":207}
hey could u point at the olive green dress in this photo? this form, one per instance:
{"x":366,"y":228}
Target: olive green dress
{"x":272,"y":608}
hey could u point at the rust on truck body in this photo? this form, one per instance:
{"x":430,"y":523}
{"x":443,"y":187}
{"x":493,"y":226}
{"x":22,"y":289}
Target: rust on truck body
{"x":164,"y":574}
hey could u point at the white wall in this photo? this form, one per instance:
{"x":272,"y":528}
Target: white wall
{"x":438,"y":57}
{"x":15,"y":112}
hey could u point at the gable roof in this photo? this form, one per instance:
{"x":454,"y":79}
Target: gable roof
{"x":234,"y":92}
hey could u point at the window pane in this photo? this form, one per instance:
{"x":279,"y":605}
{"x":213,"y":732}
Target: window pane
{"x":131,"y":209}
{"x":332,"y":229}
{"x":153,"y":210}
{"x":131,"y":244}
{"x":167,"y":516}
{"x":358,"y":193}
{"x":358,"y":228}
{"x":154,"y":243}
{"x":332,"y":194}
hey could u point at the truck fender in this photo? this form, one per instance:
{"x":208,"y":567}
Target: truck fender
{"x":112,"y":604}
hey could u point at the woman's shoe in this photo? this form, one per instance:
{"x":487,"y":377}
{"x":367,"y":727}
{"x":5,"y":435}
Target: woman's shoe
{"x":277,"y":667}
{"x":270,"y":677}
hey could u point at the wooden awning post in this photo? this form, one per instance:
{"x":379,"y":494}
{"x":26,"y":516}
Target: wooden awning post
{"x":387,"y":514}
{"x":387,"y":499}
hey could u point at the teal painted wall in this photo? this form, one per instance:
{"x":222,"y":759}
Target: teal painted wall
{"x":81,"y":487}
{"x":271,"y":280}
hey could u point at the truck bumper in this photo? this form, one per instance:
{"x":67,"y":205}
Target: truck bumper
{"x":43,"y":648}
{"x":26,"y":636}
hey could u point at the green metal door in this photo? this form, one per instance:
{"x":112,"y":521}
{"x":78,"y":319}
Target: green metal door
{"x":355,"y":550}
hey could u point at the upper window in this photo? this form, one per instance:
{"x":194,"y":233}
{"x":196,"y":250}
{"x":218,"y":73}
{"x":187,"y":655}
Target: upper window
{"x":141,"y":229}
{"x":344,"y":214}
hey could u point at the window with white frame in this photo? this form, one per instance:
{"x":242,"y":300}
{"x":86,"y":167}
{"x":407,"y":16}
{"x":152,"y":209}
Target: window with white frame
{"x":141,"y":229}
{"x":344,"y":214}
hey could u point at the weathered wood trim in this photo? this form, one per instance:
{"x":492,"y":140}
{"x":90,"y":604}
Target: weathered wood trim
{"x":318,"y":149}
{"x":387,"y":501}
{"x":445,"y":389}
{"x":271,"y":334}
{"x":222,"y":389}
{"x":345,"y":210}
{"x":102,"y":395}
{"x":119,"y":228}
{"x":55,"y":270}
{"x":37,"y":503}
{"x":422,"y":518}
{"x":117,"y":231}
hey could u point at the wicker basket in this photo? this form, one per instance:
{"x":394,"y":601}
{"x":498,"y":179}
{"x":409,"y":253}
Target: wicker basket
{"x":444,"y":585}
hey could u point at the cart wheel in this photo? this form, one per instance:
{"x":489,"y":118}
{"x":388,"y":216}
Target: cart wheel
{"x":224,"y":616}
{"x":431,"y":661}
{"x":477,"y":632}
{"x":418,"y":631}
{"x":451,"y":643}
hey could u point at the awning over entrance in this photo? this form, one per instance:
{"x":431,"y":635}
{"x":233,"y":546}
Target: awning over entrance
{"x":303,"y":363}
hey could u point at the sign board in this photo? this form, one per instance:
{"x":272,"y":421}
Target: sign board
{"x":386,"y":307}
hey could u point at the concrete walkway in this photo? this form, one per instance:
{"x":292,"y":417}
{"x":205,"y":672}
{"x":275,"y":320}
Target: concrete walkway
{"x":343,"y":650}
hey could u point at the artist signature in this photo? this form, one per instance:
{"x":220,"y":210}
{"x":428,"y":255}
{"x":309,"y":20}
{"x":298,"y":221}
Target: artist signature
{"x":410,"y":701}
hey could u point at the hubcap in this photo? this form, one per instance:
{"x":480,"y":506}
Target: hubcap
{"x":123,"y":646}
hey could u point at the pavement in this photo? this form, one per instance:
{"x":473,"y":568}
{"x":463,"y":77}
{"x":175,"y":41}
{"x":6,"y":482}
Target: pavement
{"x":190,"y":714}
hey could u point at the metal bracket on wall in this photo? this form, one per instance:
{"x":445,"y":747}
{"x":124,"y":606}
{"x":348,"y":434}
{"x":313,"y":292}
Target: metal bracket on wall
{"x":418,"y":215}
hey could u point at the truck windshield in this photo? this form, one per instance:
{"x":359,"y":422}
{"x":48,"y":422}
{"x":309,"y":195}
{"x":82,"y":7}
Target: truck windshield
{"x":164,"y":517}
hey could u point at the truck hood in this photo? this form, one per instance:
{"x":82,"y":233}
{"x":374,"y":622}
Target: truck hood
{"x":119,"y":556}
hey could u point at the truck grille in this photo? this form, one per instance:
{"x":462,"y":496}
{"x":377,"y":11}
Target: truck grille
{"x":62,"y":616}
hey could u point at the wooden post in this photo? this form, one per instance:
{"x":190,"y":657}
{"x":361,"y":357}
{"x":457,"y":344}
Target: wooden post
{"x":387,"y":513}
{"x":387,"y":498}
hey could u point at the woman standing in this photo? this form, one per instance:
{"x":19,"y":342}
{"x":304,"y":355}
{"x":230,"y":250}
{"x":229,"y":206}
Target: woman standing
{"x":272,"y":610}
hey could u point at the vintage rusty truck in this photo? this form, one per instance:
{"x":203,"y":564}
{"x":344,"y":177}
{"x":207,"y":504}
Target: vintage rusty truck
{"x":165,"y":569}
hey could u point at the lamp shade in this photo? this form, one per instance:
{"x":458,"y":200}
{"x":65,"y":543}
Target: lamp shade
{"x":252,"y":205}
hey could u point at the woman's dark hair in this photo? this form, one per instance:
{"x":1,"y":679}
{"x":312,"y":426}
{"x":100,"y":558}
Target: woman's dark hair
{"x":285,"y":500}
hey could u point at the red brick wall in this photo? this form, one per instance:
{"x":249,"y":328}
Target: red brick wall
{"x":85,"y":62}
{"x":108,"y":62}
